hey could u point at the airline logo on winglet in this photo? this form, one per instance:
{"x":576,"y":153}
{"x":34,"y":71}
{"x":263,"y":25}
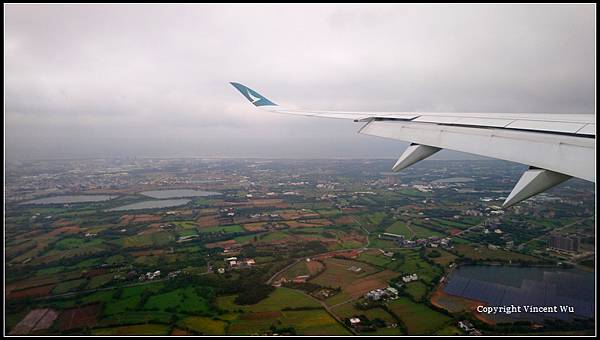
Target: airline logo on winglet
{"x":254,"y":97}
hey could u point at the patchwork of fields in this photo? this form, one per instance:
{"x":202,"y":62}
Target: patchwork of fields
{"x":216,"y":265}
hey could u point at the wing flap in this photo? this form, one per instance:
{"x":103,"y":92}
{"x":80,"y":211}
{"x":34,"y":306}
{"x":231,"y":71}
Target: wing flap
{"x":588,"y":129}
{"x":537,"y":125}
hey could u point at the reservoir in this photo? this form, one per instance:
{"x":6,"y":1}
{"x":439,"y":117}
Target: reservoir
{"x":152,"y":204}
{"x":178,"y":193}
{"x":70,"y":199}
{"x":519,"y":286}
{"x":454,"y":180}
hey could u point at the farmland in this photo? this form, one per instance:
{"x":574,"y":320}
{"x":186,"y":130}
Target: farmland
{"x":284,"y":307}
{"x":411,"y":231}
{"x":288,"y":247}
{"x":418,"y":318}
{"x":281,"y":298}
{"x":148,"y":329}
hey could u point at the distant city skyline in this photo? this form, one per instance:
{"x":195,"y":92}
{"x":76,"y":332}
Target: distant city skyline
{"x":102,"y":81}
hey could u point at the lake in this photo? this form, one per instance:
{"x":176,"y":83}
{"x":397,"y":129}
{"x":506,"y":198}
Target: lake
{"x":152,"y":204}
{"x":177,"y":193}
{"x":519,"y":286}
{"x":70,"y":199}
{"x":454,"y":180}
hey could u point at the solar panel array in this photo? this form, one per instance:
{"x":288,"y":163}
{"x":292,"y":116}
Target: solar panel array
{"x":554,"y":289}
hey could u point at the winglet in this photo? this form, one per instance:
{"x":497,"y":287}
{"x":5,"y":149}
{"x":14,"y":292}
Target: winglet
{"x":254,"y":97}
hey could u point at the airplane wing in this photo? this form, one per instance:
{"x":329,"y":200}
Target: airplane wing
{"x":555,"y":146}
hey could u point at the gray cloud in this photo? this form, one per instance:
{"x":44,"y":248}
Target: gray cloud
{"x":152,"y":80}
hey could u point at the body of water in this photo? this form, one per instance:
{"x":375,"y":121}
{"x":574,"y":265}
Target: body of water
{"x":70,"y":199}
{"x":527,"y":286}
{"x":152,"y":205}
{"x":177,"y":193}
{"x":454,"y":180}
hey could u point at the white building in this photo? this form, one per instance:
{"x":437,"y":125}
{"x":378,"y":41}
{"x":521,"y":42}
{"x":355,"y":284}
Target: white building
{"x":410,"y":278}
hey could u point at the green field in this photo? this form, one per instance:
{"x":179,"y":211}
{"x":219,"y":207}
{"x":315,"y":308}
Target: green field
{"x":115,"y":259}
{"x":185,"y":224}
{"x":306,"y":322}
{"x":274,"y":236}
{"x":348,"y":310}
{"x":248,"y":238}
{"x":281,"y":298}
{"x":449,"y":330}
{"x":203,"y":325}
{"x":296,"y":270}
{"x":99,"y":281}
{"x":412,"y":231}
{"x":484,"y":253}
{"x":409,"y":261}
{"x":224,"y":229}
{"x":68,"y":286}
{"x":336,"y":272}
{"x":146,"y":329}
{"x":346,"y":244}
{"x":69,"y":243}
{"x":417,"y":290}
{"x":183,"y":300}
{"x":414,"y":192}
{"x":187,"y":232}
{"x":128,"y":300}
{"x":71,"y":247}
{"x":133,"y":317}
{"x":375,"y":258}
{"x":146,"y":240}
{"x":94,"y":261}
{"x":445,"y":259}
{"x":381,"y":244}
{"x":121,"y":305}
{"x":329,"y":212}
{"x":50,"y":270}
{"x":375,"y":219}
{"x":463,"y":224}
{"x":418,"y":318}
{"x":258,"y":318}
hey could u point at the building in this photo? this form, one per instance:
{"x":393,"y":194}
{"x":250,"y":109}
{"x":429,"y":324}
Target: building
{"x":392,"y":237}
{"x":150,"y":275}
{"x":231,"y":261}
{"x":465,"y":324}
{"x":410,"y":278}
{"x":354,"y":269}
{"x":174,"y":274}
{"x":354,"y":321}
{"x":379,"y":294}
{"x":301,"y":278}
{"x":568,"y":243}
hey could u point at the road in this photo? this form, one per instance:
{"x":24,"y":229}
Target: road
{"x":282,"y":270}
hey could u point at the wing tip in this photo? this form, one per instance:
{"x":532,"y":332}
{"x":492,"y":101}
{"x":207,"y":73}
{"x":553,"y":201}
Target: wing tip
{"x":254,"y":97}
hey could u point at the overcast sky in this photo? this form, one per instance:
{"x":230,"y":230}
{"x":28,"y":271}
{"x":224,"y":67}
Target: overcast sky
{"x":152,"y":80}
